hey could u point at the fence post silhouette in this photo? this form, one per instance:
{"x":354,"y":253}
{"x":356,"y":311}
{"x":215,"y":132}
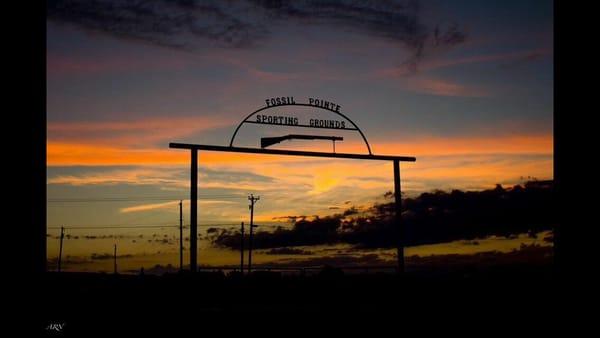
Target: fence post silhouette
{"x":62,"y":235}
{"x":115,"y":259}
{"x":242,"y":250}
{"x":180,"y":235}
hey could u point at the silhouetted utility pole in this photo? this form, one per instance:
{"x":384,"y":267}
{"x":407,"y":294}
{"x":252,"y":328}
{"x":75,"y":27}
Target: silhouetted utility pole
{"x":62,"y":235}
{"x":115,"y":259}
{"x":252,"y":200}
{"x":242,"y":251}
{"x":180,"y":235}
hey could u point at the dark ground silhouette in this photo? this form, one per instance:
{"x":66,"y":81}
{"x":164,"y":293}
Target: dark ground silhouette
{"x":490,"y":288}
{"x":494,"y":295}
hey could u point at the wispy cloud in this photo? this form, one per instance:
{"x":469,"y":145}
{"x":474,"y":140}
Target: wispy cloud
{"x":500,"y":59}
{"x":140,"y":131}
{"x":165,"y":176}
{"x":433,"y":86}
{"x":59,"y":65}
{"x":425,"y":83}
{"x":137,"y":175}
{"x":167,"y":205}
{"x":245,"y":24}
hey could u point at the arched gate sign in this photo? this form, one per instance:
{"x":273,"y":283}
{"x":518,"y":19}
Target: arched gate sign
{"x":292,"y":121}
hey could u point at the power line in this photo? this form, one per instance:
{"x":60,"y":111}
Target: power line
{"x":117,"y":224}
{"x":118,"y":227}
{"x":135,"y":199}
{"x":141,"y":226}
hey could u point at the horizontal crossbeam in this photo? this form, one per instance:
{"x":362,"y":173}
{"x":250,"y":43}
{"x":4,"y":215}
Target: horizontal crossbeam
{"x":291,"y":152}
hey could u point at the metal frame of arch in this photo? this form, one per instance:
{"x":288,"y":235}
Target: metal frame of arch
{"x":305,"y":105}
{"x":194,"y":148}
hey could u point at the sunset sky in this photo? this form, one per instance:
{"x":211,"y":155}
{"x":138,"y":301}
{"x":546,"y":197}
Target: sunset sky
{"x":464,"y":86}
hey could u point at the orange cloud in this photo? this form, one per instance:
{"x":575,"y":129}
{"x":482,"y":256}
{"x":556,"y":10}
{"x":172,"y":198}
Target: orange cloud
{"x":517,"y":144}
{"x":435,"y":146}
{"x":67,"y":154}
{"x":71,"y":154}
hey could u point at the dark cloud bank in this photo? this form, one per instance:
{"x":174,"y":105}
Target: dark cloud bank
{"x":246,"y":24}
{"x":434,"y":217}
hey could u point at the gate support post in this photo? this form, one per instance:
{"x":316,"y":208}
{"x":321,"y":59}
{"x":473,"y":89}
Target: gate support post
{"x":194,"y":211}
{"x":398,"y":216}
{"x":194,"y":148}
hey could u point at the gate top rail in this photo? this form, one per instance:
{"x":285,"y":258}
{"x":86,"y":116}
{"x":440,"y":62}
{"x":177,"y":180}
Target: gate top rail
{"x":291,"y":152}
